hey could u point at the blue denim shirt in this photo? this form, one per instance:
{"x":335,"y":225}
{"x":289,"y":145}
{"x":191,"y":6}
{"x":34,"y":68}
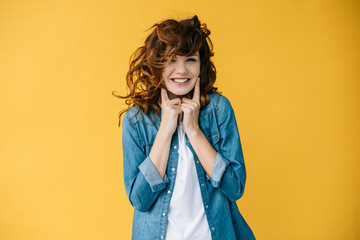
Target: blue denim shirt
{"x":150,"y":195}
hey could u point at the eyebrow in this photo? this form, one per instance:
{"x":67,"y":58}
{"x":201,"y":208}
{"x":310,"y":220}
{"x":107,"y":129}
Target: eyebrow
{"x":195,"y":54}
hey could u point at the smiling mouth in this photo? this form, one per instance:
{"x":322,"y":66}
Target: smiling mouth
{"x":180,"y":80}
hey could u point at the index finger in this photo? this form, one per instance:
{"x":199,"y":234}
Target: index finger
{"x":196,"y":96}
{"x":164,"y":95}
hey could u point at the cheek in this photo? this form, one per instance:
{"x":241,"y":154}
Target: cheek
{"x":196,"y":70}
{"x":165,"y":79}
{"x":166,"y":72}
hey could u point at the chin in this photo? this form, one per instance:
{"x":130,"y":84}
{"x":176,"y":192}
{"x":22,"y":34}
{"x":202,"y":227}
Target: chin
{"x":181,"y":93}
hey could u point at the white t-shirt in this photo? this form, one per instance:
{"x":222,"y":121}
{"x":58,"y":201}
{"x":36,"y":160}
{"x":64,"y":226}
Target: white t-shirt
{"x":186,"y":217}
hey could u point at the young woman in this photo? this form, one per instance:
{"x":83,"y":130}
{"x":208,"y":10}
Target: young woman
{"x":183,"y":162}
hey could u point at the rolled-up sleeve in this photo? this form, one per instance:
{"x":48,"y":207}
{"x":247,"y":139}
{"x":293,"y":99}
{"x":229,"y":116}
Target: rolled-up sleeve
{"x":219,"y":168}
{"x":152,"y":176}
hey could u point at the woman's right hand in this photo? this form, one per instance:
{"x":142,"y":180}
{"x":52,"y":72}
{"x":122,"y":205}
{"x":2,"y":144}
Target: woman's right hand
{"x":170,"y":111}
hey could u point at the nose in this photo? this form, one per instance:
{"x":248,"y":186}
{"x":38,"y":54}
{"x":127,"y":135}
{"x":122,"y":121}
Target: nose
{"x":180,"y":67}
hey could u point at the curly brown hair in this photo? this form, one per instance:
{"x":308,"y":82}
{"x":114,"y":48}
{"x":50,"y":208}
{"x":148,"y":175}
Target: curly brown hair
{"x":168,"y":39}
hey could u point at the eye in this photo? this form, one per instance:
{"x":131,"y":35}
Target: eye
{"x":168,"y":60}
{"x":191,"y":59}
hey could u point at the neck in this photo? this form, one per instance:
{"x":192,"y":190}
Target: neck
{"x":172,"y":96}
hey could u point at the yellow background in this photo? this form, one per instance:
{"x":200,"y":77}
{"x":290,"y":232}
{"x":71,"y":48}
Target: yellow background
{"x":289,"y":68}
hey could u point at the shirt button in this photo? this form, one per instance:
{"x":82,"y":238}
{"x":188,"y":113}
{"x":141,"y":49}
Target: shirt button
{"x":202,"y":184}
{"x":207,"y":206}
{"x":163,"y":214}
{"x":162,"y":237}
{"x":175,"y":147}
{"x":169,"y":192}
{"x":197,"y":161}
{"x":173,"y":169}
{"x":213,"y":228}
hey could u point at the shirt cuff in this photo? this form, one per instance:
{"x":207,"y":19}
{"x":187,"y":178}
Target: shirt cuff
{"x":219,"y":168}
{"x":152,"y":176}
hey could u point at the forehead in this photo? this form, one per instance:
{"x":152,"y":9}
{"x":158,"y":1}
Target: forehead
{"x":175,"y":54}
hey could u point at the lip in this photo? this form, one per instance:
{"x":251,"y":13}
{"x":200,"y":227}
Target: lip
{"x":180,"y":81}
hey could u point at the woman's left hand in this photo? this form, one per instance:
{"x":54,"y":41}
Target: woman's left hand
{"x":191,"y":109}
{"x":203,"y":149}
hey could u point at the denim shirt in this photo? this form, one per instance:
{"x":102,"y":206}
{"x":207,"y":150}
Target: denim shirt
{"x":150,"y":194}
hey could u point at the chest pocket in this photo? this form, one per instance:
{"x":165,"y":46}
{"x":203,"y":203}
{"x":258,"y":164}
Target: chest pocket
{"x":210,"y":128}
{"x":147,"y":134}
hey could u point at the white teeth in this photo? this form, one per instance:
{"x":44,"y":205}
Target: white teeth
{"x":180,"y":80}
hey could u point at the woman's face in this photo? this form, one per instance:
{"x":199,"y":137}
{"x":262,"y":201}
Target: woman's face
{"x":180,"y":75}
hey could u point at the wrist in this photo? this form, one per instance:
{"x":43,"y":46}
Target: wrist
{"x":194,"y":133}
{"x":165,"y":132}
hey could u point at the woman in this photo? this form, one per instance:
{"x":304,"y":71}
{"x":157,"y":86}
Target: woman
{"x":183,"y":162}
